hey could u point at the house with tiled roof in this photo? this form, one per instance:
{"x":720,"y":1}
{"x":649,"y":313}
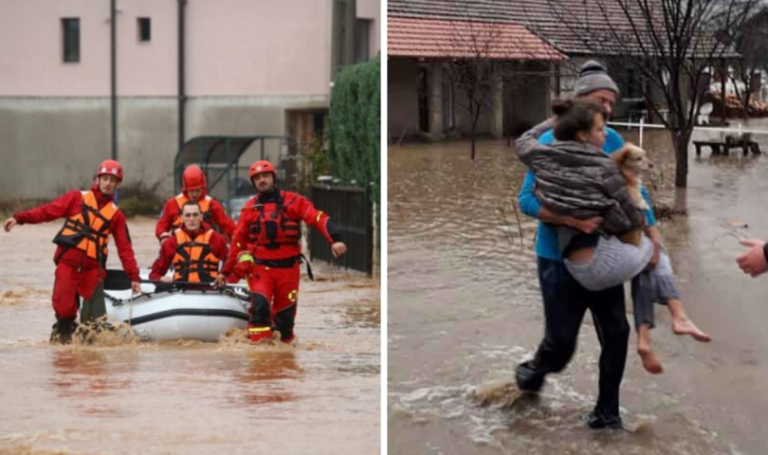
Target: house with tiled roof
{"x":551,"y":36}
{"x":422,"y":40}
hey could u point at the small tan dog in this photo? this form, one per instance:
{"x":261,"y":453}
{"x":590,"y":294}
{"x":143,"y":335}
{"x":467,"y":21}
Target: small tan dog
{"x":632,"y":161}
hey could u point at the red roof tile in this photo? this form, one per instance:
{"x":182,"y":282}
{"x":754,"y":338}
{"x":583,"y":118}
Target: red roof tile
{"x":574,"y":27}
{"x":413,"y":37}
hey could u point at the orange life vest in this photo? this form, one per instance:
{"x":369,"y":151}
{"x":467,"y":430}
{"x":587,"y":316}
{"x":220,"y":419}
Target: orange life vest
{"x":205,"y":208}
{"x":89,"y":230}
{"x":194,"y":260}
{"x":272,"y":226}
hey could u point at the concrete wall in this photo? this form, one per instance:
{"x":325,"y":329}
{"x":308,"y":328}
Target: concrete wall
{"x":147,"y":140}
{"x":525,"y":102}
{"x":64,"y":139}
{"x":49,"y":147}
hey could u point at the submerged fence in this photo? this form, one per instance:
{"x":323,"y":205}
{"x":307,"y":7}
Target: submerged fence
{"x":351,"y":210}
{"x":738,"y":129}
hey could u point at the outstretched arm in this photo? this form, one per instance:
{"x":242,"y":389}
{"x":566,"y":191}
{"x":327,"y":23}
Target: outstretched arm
{"x":303,"y":209}
{"x":754,"y":261}
{"x":53,"y":210}
{"x":9,"y":224}
{"x":125,"y":250}
{"x":125,"y":246}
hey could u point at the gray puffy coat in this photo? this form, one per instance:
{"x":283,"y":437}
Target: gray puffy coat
{"x":580,"y":180}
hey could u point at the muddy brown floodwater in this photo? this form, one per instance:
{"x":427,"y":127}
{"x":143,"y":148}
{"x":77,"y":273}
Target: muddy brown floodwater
{"x":465,"y":308}
{"x":322,"y":397}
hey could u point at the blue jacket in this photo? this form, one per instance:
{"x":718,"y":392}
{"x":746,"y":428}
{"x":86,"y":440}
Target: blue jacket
{"x":546,"y":238}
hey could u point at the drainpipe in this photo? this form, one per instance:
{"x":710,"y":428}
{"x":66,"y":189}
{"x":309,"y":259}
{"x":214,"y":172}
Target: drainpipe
{"x":113,"y":76}
{"x":182,"y":94}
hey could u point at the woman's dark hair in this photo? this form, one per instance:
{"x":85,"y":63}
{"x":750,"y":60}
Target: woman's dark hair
{"x":573,"y":116}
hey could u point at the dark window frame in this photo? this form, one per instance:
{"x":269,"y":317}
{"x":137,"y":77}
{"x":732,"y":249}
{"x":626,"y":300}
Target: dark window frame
{"x":70,"y":36}
{"x":144,"y":26}
{"x":363,"y":39}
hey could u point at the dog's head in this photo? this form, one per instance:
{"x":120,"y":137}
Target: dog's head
{"x":633,"y":158}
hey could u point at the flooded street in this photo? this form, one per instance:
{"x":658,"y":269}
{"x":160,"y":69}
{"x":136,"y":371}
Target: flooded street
{"x":321,"y":397}
{"x":465,"y":307}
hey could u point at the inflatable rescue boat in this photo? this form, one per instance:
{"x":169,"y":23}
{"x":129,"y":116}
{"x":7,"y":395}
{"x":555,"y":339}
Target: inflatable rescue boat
{"x":175,"y":311}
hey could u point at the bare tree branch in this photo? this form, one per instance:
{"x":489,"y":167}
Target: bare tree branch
{"x":670,"y":43}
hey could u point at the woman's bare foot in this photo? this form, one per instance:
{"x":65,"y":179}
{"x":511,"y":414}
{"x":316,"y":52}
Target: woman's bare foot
{"x":684,"y":326}
{"x":650,"y":362}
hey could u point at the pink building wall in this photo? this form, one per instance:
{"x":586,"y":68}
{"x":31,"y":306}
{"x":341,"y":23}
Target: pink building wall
{"x":31,"y":61}
{"x":233,"y":47}
{"x":250,"y":66}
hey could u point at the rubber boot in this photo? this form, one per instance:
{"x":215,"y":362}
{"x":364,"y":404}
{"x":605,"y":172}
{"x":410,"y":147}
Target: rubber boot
{"x":293,"y":340}
{"x":278,"y":337}
{"x":258,"y":334}
{"x":62,"y":331}
{"x":284,"y":322}
{"x":93,"y":308}
{"x":259,"y":324}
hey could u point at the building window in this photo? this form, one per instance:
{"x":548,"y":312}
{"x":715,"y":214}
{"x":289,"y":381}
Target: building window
{"x":71,"y":32}
{"x":145,"y":29}
{"x":632,"y":84}
{"x":362,"y":40}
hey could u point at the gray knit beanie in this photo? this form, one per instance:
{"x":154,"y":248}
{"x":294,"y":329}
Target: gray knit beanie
{"x":593,"y":76}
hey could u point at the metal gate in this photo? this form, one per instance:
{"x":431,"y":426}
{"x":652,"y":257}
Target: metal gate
{"x":351,"y":210}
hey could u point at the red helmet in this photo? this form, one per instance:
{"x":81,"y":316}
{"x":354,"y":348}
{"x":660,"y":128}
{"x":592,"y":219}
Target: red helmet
{"x":261,"y":166}
{"x":111,"y":167}
{"x":193,"y":178}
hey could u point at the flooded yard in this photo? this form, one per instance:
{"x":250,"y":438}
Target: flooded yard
{"x":465,"y":308}
{"x":322,"y":396}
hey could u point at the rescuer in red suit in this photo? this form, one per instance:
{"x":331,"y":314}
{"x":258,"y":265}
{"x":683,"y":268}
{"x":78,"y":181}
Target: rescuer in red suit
{"x":266,"y":250}
{"x":193,"y":189}
{"x":195,"y":250}
{"x":81,"y":255}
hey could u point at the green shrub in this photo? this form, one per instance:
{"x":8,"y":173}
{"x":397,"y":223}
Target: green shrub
{"x":140,"y":200}
{"x":315,"y":155}
{"x":354,"y":154}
